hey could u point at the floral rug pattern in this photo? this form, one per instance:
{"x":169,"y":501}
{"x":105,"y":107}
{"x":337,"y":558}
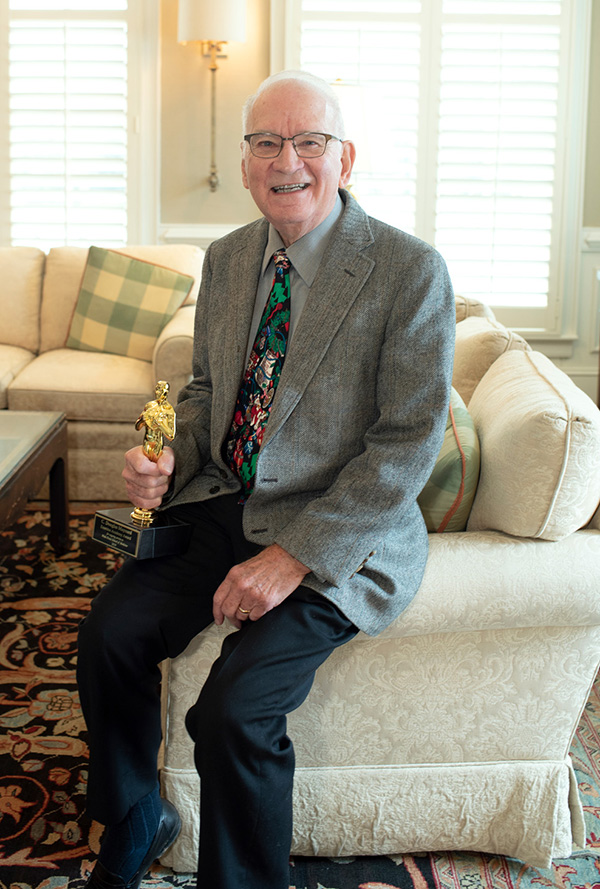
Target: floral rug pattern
{"x":46,"y":839}
{"x":43,"y":753}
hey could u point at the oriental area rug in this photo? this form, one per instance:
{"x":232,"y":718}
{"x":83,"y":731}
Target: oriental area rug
{"x":46,"y":839}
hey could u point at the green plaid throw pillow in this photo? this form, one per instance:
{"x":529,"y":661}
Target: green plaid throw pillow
{"x":124,"y":304}
{"x":447,"y":498}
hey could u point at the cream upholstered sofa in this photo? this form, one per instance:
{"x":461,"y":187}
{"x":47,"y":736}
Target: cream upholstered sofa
{"x":451,"y":730}
{"x":102,"y":394}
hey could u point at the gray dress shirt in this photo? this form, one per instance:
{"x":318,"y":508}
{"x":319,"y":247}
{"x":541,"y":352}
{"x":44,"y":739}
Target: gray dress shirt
{"x":305,"y":256}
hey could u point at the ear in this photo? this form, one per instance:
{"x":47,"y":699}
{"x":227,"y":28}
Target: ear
{"x":348,"y":158}
{"x":244,"y":174}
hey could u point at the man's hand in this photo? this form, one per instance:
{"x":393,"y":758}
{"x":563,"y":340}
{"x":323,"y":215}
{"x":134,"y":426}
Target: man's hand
{"x":257,"y":586}
{"x":147,"y":482}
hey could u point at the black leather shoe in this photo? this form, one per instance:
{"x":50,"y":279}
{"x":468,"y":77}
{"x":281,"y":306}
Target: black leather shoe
{"x":166,"y":834}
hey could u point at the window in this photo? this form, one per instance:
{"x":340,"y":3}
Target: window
{"x":72,"y":111}
{"x":464,"y":111}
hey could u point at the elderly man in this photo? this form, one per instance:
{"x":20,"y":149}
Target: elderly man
{"x":321,"y":379}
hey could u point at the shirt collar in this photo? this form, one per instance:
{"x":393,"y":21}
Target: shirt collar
{"x":306,"y":253}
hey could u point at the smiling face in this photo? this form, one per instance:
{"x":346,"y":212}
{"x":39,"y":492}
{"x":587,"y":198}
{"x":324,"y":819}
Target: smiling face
{"x":295,"y":194}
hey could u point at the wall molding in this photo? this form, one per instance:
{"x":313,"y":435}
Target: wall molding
{"x":594,"y":274}
{"x":590,"y":240}
{"x":202,"y":235}
{"x":589,"y":296}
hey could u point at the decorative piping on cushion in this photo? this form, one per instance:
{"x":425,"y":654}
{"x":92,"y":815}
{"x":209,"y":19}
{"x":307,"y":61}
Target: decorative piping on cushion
{"x":567,"y":450}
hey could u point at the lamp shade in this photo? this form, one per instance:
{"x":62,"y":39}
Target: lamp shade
{"x":217,"y":20}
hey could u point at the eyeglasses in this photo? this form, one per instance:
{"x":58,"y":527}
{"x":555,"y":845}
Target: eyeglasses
{"x":305,"y":144}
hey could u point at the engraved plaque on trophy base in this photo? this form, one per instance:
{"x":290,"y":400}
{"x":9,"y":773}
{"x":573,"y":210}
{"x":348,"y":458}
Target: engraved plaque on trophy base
{"x":165,"y":536}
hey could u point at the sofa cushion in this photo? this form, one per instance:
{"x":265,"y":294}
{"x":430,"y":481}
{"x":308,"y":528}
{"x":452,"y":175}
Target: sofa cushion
{"x":64,"y":271}
{"x":540,"y":450}
{"x":447,"y":497}
{"x":12,"y":360}
{"x":479,"y":342}
{"x":85,"y":385}
{"x":124,"y":304}
{"x":21,"y":271}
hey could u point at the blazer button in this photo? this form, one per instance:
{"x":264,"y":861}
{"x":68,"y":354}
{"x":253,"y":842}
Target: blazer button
{"x":215,"y":489}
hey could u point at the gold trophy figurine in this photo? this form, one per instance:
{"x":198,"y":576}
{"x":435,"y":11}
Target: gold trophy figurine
{"x":146,"y":533}
{"x":158,"y":420}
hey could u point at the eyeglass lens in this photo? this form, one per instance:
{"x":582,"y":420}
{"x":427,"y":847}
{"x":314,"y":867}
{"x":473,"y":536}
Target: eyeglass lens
{"x":306,"y":144}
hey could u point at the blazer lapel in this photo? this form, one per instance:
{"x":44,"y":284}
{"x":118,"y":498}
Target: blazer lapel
{"x":229,"y":326}
{"x":339,"y":280}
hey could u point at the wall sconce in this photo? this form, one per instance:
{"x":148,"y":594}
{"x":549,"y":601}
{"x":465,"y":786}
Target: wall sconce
{"x":212,"y":23}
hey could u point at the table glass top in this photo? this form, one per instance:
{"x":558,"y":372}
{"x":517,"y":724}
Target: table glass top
{"x":20,"y":432}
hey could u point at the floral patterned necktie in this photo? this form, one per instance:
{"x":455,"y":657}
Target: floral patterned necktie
{"x":260,"y":379}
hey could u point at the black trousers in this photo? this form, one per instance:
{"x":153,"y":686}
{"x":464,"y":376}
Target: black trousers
{"x":150,"y":611}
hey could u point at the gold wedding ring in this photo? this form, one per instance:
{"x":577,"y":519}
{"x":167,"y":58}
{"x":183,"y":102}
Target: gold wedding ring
{"x":243,"y":610}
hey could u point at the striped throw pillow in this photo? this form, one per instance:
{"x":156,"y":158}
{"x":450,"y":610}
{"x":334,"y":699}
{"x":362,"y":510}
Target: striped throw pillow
{"x":447,"y":498}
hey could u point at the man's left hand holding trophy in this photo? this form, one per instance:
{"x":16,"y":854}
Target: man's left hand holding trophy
{"x":146,"y":533}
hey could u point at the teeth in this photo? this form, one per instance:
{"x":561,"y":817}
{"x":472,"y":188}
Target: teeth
{"x":287,"y":188}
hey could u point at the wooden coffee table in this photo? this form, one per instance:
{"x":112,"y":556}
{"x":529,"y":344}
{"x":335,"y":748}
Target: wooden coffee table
{"x":33,"y":445}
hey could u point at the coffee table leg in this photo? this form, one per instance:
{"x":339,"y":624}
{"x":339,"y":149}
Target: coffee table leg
{"x":59,"y":507}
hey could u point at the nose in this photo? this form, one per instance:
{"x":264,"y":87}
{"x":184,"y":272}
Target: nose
{"x":287,"y":160}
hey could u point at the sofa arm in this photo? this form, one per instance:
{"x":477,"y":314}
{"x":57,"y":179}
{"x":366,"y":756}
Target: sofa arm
{"x":172,"y":357}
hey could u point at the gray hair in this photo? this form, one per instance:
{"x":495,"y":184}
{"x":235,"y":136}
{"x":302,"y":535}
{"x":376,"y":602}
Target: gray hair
{"x":317,"y":84}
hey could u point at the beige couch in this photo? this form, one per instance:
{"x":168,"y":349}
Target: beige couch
{"x":451,"y":730}
{"x":101,"y":394}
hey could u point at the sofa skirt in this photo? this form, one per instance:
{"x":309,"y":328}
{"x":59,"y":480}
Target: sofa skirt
{"x":525,"y":810}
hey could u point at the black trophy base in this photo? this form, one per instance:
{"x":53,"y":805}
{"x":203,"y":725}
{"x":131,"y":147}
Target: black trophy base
{"x":116,"y":529}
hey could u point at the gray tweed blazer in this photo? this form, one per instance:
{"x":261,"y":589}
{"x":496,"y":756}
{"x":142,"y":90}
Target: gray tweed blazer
{"x":358,"y":417}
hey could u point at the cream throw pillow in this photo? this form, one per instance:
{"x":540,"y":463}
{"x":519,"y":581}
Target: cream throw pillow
{"x":540,"y":450}
{"x":468,"y":307}
{"x":479,"y":342}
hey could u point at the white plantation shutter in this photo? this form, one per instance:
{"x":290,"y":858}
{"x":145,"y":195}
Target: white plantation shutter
{"x":382,"y":58}
{"x":496,"y":167}
{"x":68,"y":85}
{"x":375,"y":58}
{"x":461,"y":110}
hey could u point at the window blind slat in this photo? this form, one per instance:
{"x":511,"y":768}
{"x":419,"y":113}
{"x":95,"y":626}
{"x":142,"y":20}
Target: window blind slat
{"x":68,"y":134}
{"x":62,"y":5}
{"x":515,"y":69}
{"x":376,"y":68}
{"x":469,"y":104}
